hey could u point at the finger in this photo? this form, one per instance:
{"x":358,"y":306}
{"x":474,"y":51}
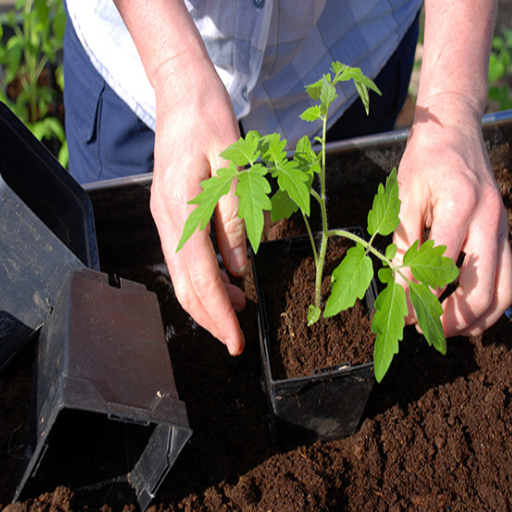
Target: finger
{"x":484,"y":291}
{"x":202,"y":293}
{"x":196,"y":279}
{"x":236,"y":295}
{"x":231,"y":233}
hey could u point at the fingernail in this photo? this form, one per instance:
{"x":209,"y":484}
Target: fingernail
{"x":235,"y":351}
{"x":238,"y":259}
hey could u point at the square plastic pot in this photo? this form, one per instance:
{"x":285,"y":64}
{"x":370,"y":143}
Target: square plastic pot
{"x":329,"y":403}
{"x":47,"y":229}
{"x":106,"y":420}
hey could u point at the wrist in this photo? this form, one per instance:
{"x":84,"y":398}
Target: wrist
{"x":449,"y":109}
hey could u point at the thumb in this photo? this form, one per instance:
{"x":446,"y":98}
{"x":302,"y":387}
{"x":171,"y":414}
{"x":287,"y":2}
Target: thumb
{"x":231,"y":233}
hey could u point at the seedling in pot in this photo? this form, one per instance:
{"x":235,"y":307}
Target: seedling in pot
{"x":254,"y":158}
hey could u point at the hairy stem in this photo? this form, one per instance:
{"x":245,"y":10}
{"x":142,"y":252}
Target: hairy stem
{"x":368,"y":246}
{"x":325,"y":230}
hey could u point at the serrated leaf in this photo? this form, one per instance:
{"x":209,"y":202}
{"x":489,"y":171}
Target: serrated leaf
{"x":352,"y":277}
{"x":273,"y":149}
{"x":327,"y":94}
{"x":429,"y":266}
{"x":312,"y":114}
{"x":243,"y":151}
{"x":314,"y":89}
{"x":383,"y":217}
{"x":428,"y":313}
{"x":213,"y":189}
{"x":253,"y":189}
{"x":282,"y":206}
{"x":304,"y":152}
{"x":388,"y":324}
{"x":294,"y":181}
{"x":314,"y":313}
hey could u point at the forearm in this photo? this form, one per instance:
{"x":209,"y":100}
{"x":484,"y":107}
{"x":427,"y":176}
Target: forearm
{"x":168,"y":42}
{"x":458,"y":35}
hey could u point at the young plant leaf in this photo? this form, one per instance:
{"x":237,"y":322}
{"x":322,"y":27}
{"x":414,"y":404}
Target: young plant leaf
{"x":383,"y":217}
{"x":314,"y":313}
{"x":253,"y":189}
{"x":312,"y":114}
{"x":282,"y":206}
{"x":428,"y":312}
{"x":429,"y":266}
{"x":295,"y":182}
{"x":391,"y":251}
{"x":213,"y":189}
{"x":273,"y":149}
{"x":351,"y":277}
{"x":243,"y":151}
{"x":327,"y":94}
{"x":388,"y":324}
{"x":306,"y":158}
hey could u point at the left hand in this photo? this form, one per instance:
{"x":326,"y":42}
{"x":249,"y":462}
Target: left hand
{"x":447,"y":186}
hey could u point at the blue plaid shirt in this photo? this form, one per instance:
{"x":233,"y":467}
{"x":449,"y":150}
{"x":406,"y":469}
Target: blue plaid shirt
{"x":265,"y":51}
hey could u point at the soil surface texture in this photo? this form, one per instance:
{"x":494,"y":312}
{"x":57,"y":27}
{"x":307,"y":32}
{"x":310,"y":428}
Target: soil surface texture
{"x":436,"y":433}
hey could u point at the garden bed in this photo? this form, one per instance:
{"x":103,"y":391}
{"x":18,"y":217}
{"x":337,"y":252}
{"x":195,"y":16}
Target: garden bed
{"x":436,"y":433}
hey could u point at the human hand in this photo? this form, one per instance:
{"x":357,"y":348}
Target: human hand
{"x":195,"y":122}
{"x":447,"y":186}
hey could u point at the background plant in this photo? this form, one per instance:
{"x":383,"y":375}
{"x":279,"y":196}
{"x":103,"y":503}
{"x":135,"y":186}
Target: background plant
{"x":255,"y":158}
{"x":500,"y":69}
{"x":33,"y":40}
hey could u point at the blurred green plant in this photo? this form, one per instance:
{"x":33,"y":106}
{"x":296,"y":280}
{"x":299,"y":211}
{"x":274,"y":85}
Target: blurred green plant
{"x":500,"y":70}
{"x":31,"y":37}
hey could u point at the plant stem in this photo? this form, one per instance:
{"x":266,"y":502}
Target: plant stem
{"x":368,"y":246}
{"x":311,"y":239}
{"x":325,"y":232}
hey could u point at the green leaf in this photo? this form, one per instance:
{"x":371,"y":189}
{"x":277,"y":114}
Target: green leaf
{"x":282,"y":206}
{"x":352,"y":277}
{"x":213,"y":189}
{"x":304,"y":152}
{"x":243,"y":151}
{"x":314,"y":89}
{"x":429,"y":266}
{"x":253,"y":189}
{"x":391,"y":251}
{"x":314,"y":313}
{"x":385,"y":275}
{"x":293,"y":180}
{"x":428,"y":313}
{"x":272,"y":149}
{"x":362,"y":90}
{"x":383,"y":217}
{"x":327,"y":94}
{"x":388,"y":324}
{"x":312,"y":114}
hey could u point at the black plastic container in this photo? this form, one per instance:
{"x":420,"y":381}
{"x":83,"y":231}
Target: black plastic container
{"x":106,"y":420}
{"x":329,"y":403}
{"x":46,"y":229}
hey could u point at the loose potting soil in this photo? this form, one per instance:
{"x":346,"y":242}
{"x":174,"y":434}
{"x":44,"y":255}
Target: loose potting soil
{"x":436,"y":433}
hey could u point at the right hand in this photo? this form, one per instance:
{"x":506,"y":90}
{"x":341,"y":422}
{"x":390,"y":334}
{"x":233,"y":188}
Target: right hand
{"x":194,"y":123}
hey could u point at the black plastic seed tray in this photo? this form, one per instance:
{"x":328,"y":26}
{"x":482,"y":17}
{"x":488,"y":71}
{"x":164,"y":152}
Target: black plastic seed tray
{"x":46,"y":229}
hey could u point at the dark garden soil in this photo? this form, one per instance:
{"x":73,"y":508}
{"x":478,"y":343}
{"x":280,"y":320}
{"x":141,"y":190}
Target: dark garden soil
{"x":436,"y":433}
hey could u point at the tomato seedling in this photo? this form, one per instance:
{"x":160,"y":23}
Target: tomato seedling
{"x":255,"y":158}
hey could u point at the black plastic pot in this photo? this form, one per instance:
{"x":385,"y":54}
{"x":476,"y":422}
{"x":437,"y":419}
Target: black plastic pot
{"x":105,"y":419}
{"x":329,"y":403}
{"x":46,"y":229}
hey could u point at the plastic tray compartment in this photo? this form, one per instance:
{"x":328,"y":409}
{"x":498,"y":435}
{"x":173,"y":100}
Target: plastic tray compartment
{"x":106,"y":420}
{"x":329,"y":403}
{"x":46,"y":229}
